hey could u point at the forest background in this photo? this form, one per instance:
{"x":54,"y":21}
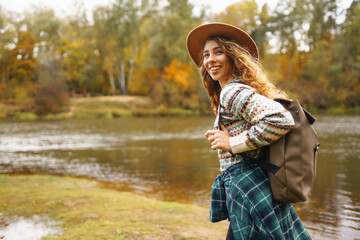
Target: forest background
{"x":138,"y":48}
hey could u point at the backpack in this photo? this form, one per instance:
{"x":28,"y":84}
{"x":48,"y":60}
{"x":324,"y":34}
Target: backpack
{"x":294,"y":156}
{"x":291,"y":160}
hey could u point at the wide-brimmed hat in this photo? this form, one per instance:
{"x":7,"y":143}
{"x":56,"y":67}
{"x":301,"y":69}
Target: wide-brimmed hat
{"x":198,"y":36}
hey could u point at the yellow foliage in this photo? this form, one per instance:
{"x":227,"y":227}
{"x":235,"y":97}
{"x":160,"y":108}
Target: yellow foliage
{"x":179,"y":73}
{"x":285,"y":67}
{"x":283,"y":64}
{"x":25,"y":93}
{"x":142,"y":80}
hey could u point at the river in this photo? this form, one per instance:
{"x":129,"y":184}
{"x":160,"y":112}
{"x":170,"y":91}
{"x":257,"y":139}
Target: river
{"x":170,"y":159}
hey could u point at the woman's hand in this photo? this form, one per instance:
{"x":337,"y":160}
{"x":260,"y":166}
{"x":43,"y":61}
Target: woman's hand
{"x":219,"y":139}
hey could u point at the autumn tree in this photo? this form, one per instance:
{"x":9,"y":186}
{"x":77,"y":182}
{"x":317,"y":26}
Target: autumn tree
{"x":322,"y":23}
{"x":167,"y":51}
{"x":105,"y":43}
{"x":51,"y":91}
{"x":23,"y":67}
{"x":138,"y":47}
{"x":351,"y":29}
{"x":124,"y":26}
{"x":7,"y":43}
{"x":350,"y":53}
{"x":81,"y":61}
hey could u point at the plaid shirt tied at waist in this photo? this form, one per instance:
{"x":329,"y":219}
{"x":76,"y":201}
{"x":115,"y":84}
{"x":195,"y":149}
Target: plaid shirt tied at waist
{"x":243,"y":195}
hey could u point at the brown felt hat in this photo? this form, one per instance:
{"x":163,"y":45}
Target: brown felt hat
{"x":198,"y":36}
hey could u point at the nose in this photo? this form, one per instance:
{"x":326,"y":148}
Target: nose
{"x":210,"y":59}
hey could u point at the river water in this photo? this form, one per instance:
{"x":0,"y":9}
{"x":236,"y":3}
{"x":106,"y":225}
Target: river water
{"x":170,"y":159}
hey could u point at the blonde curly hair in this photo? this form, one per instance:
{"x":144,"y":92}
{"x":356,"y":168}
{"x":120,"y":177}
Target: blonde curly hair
{"x":245,"y":68}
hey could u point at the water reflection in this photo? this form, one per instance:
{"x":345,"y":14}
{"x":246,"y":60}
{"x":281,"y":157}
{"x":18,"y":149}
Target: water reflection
{"x":334,"y":206}
{"x":33,"y":228}
{"x":169,"y":158}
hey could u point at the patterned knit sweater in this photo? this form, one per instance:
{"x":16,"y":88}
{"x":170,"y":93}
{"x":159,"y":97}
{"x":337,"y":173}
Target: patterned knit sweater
{"x":252,"y":120}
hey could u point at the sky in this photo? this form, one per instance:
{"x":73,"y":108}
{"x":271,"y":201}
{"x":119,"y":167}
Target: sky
{"x":64,"y":5}
{"x":67,"y":6}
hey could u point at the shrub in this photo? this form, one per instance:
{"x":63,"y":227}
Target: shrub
{"x":50,"y":99}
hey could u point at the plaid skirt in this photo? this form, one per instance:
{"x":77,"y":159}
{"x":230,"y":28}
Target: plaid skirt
{"x":242,"y":194}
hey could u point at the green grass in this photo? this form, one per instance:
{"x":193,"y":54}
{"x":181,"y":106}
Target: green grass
{"x":106,"y":107}
{"x":88,"y":211}
{"x":91,"y":108}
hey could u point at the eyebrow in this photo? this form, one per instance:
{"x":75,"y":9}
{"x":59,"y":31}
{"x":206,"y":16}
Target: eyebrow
{"x":212,"y":49}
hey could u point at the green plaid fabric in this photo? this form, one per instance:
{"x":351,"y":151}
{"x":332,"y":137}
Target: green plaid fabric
{"x":243,"y":195}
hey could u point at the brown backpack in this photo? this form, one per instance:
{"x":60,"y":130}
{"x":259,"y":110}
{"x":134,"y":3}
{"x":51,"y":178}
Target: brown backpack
{"x":291,"y":160}
{"x":294,"y":155}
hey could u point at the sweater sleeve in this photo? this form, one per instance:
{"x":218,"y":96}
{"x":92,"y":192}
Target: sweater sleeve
{"x":268,"y":119}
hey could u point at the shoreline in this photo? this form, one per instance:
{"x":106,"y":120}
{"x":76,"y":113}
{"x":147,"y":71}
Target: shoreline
{"x":110,"y":107}
{"x":87,"y":210}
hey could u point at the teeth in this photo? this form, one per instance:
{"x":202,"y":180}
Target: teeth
{"x":214,"y":68}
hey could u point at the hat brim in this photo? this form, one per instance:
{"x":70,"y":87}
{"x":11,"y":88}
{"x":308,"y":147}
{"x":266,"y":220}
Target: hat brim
{"x":198,"y":36}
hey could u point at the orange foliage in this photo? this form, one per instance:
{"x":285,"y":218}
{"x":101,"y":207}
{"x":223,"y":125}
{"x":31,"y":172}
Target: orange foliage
{"x":153,"y":74}
{"x":23,"y":61}
{"x":180,"y":73}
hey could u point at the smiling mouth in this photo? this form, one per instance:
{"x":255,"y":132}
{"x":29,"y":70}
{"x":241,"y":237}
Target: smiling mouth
{"x":213,"y":69}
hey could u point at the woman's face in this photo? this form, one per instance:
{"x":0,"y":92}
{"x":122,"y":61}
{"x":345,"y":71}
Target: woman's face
{"x":216,"y":62}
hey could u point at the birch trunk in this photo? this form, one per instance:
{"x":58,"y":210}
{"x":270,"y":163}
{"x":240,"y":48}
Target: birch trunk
{"x":131,"y":72}
{"x":112,"y":82}
{"x":121,"y":79}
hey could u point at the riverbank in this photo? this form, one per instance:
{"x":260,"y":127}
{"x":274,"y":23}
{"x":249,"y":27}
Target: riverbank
{"x":107,"y":107}
{"x":84,"y":209}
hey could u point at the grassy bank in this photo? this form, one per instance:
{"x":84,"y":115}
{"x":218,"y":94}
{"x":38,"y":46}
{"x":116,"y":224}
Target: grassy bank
{"x":85,"y":210}
{"x":109,"y":107}
{"x":100,"y":107}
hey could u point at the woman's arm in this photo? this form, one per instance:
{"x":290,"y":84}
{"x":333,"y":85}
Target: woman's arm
{"x":269,"y":119}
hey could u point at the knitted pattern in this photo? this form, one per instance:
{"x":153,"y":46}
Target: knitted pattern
{"x":252,"y":120}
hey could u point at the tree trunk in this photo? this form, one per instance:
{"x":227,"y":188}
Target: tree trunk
{"x":123,"y":83}
{"x":112,"y":82}
{"x":131,"y":72}
{"x":121,"y":79}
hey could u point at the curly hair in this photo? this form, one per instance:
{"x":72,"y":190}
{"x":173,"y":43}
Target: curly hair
{"x":245,"y":68}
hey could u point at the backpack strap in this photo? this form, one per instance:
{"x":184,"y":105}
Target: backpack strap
{"x":267,"y":165}
{"x":310,"y":117}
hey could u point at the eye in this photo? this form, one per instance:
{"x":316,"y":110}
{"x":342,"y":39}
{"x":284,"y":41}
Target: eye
{"x":218,"y":52}
{"x":206,"y":55}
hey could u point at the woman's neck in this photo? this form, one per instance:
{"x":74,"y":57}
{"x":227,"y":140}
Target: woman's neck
{"x":224,"y":83}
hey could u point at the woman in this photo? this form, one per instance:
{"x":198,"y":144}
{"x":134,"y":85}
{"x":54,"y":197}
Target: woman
{"x":247,"y":120}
